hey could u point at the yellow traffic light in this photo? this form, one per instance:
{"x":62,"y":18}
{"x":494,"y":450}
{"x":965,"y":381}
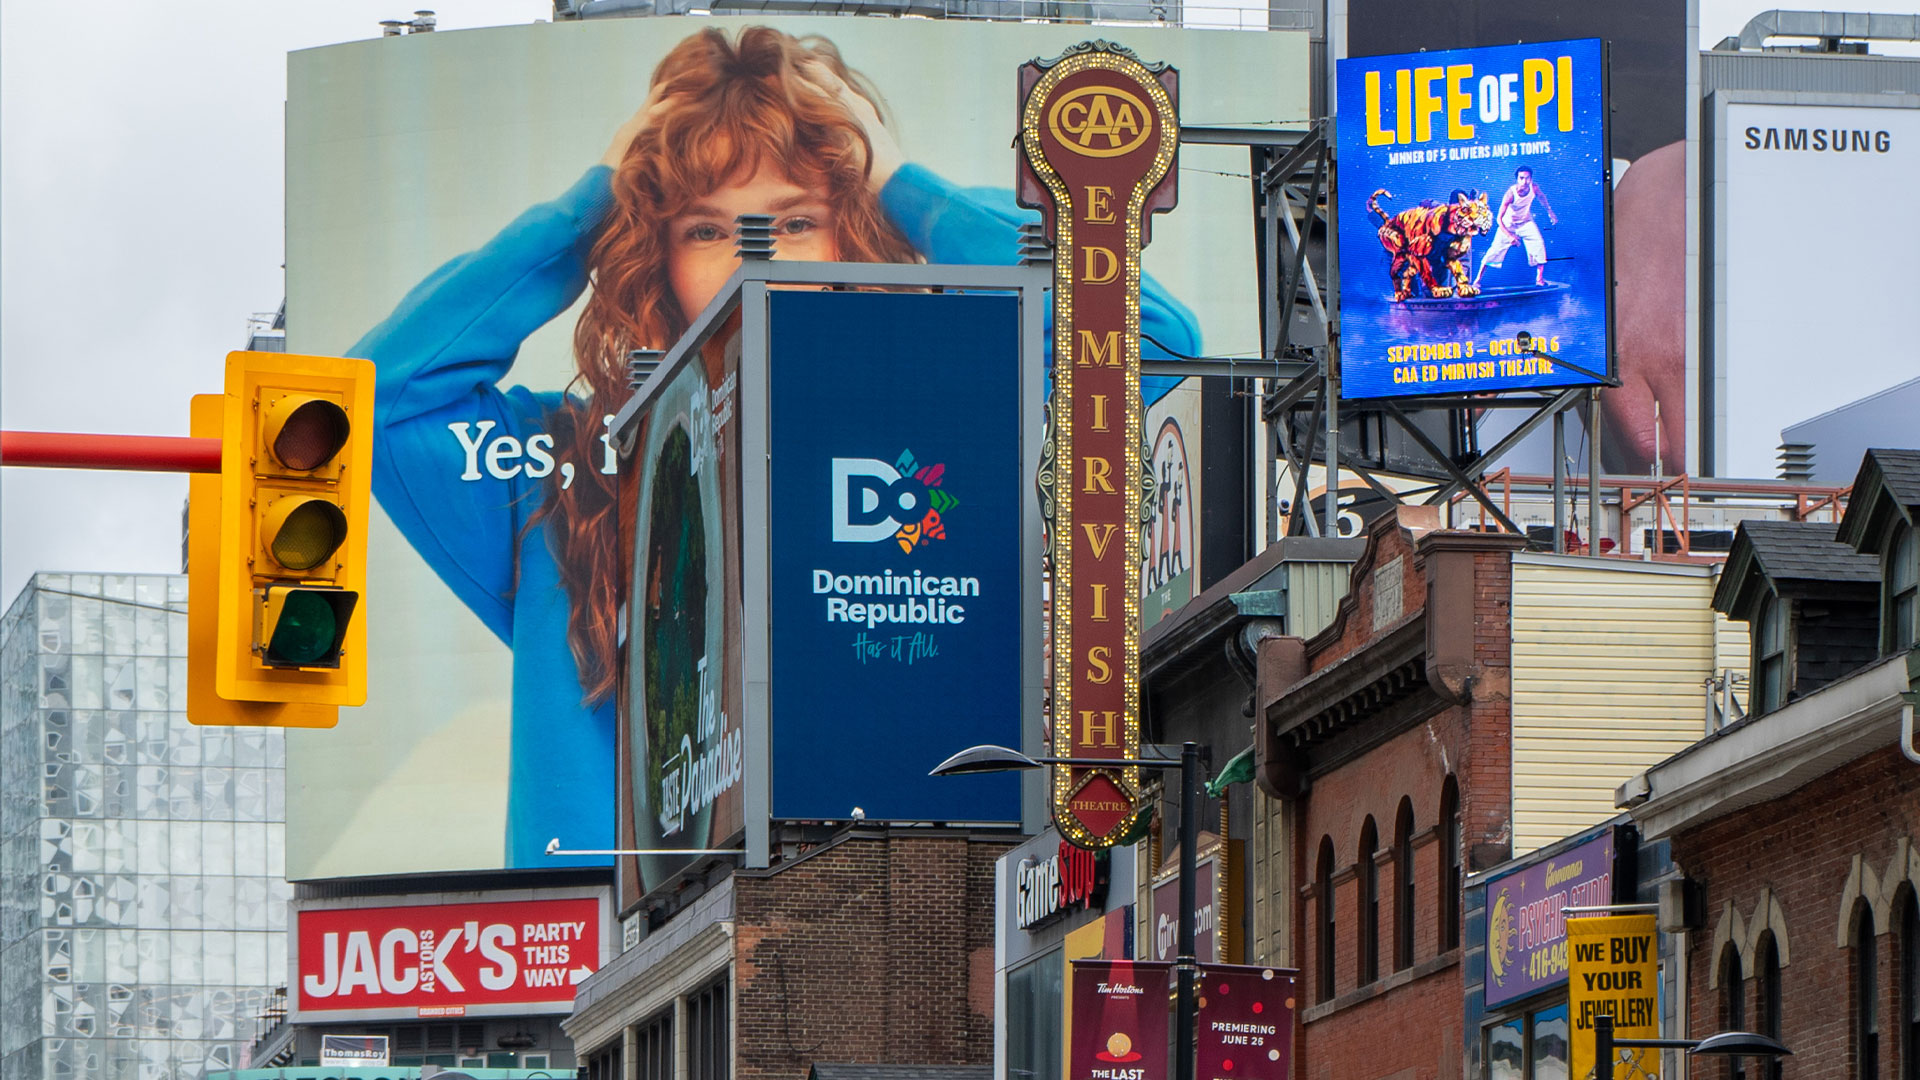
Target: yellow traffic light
{"x":295,"y":487}
{"x":204,"y":705}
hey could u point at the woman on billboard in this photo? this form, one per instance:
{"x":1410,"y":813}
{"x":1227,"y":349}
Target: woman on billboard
{"x":767,"y":124}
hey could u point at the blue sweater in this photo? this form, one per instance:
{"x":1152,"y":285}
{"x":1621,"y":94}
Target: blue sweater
{"x":441,"y":355}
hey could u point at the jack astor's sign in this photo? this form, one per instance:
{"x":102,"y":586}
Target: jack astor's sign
{"x":1098,"y":134}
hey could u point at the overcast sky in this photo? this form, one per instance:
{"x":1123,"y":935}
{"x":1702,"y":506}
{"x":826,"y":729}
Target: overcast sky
{"x":140,"y":224}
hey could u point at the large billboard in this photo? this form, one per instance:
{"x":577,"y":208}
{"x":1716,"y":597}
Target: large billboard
{"x":449,"y":196}
{"x":896,"y":497}
{"x":1648,"y":46}
{"x":1809,"y":184}
{"x":469,"y":956}
{"x":1473,"y":220}
{"x":682,"y":738}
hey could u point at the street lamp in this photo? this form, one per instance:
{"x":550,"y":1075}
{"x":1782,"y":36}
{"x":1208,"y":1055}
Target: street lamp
{"x":985,"y":759}
{"x":1725,"y":1044}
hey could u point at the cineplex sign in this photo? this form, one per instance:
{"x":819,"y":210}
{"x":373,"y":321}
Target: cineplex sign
{"x":446,"y":959}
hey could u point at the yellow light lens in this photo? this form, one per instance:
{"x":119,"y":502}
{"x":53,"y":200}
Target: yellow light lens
{"x":303,"y":532}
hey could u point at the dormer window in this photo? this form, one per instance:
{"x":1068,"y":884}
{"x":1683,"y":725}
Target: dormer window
{"x":1902,"y":575}
{"x":1770,"y":682}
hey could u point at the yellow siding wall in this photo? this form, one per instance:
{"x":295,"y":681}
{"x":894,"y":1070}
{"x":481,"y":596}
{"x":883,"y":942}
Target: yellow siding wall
{"x":1610,"y":661}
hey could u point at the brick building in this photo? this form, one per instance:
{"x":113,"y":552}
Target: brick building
{"x":873,"y":948}
{"x":1387,"y":735}
{"x":1795,"y":826}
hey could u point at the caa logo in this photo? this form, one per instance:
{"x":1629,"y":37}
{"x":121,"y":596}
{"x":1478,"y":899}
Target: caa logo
{"x":1119,"y":120}
{"x":903,"y":502}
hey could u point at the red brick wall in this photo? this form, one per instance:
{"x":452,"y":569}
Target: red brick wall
{"x":1801,"y":846}
{"x":1404,"y":1025}
{"x":876,"y":949}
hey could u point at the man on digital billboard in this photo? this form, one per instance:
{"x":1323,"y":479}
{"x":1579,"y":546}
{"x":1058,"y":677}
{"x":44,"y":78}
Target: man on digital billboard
{"x":1425,"y":138}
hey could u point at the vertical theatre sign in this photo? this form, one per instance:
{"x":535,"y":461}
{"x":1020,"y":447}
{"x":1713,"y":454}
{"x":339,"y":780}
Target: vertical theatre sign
{"x":1098,"y":134}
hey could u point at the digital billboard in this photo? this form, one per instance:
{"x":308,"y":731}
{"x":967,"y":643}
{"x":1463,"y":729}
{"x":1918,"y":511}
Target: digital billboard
{"x":1779,"y":363}
{"x":681,"y":739}
{"x":452,"y":240}
{"x":896,"y":494}
{"x":1648,"y":46}
{"x":1473,"y":202}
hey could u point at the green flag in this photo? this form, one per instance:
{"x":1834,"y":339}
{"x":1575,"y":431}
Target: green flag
{"x":1237,"y":771}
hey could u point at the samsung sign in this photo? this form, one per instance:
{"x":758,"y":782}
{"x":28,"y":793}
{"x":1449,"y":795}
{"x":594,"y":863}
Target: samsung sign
{"x":1047,"y":888}
{"x":895,"y":502}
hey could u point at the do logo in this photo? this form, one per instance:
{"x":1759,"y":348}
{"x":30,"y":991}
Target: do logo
{"x":872,"y":500}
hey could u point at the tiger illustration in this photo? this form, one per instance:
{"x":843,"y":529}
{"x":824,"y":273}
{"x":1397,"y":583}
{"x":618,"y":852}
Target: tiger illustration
{"x":1433,"y":237}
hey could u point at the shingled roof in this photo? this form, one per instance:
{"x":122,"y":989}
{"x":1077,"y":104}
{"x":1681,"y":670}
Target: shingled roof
{"x":1788,"y":553}
{"x":1885,"y":491}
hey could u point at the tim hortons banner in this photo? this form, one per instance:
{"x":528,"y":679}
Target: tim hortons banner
{"x":1118,"y":1028}
{"x":1098,"y":133}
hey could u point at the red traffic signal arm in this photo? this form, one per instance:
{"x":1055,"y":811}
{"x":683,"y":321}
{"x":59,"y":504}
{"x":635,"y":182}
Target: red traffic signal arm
{"x":141,"y":453}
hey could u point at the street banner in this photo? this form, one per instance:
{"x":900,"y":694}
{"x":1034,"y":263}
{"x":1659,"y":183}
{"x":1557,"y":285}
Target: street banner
{"x":1118,"y":1030}
{"x":1098,"y":133}
{"x":1614,"y":969}
{"x":1473,"y":205}
{"x":1246,"y":1023}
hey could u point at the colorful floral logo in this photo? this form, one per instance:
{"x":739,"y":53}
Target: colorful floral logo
{"x":905,"y":501}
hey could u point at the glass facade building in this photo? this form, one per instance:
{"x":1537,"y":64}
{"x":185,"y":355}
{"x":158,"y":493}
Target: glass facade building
{"x":142,"y":886}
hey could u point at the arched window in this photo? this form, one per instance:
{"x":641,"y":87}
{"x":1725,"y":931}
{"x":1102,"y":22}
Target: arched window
{"x":1767,"y":1003}
{"x":1323,"y":914}
{"x":1866,"y":997}
{"x":1369,"y":904}
{"x":1450,"y":865}
{"x":1733,"y":1005}
{"x":1902,"y":575}
{"x":1909,"y":924}
{"x":1403,"y":889}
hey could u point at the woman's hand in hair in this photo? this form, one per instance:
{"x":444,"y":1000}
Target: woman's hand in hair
{"x":642,"y":118}
{"x":887,"y":155}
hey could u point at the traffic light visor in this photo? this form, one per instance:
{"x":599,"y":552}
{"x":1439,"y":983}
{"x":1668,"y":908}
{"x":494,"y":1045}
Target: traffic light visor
{"x":301,"y":532}
{"x":305,"y":432}
{"x":303,"y":627}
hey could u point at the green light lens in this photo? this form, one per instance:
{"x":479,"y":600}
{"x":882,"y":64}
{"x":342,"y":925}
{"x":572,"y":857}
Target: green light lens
{"x":306,"y":631}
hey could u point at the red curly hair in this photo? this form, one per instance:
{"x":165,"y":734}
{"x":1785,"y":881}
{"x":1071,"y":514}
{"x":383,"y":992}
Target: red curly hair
{"x":728,"y":109}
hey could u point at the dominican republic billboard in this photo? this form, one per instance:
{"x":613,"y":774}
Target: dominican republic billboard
{"x":1474,"y":244}
{"x":554,"y":195}
{"x":896,"y":495}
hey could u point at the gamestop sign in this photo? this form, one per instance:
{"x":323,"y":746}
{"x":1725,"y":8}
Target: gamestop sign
{"x":445,"y":960}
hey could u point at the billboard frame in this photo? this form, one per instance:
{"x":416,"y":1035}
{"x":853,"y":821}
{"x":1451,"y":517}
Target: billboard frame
{"x":449,"y":897}
{"x":745,"y":295}
{"x":1709,"y":394}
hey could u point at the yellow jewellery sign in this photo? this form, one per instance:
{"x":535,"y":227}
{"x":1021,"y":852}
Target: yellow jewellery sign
{"x":1614,"y":968}
{"x":1098,"y":134}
